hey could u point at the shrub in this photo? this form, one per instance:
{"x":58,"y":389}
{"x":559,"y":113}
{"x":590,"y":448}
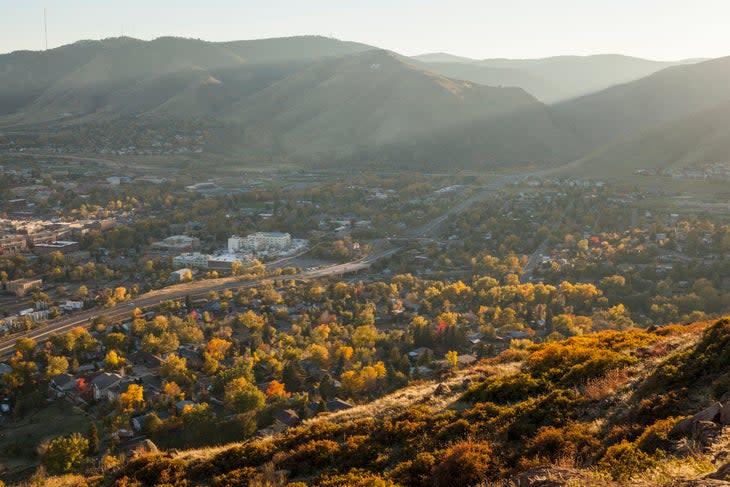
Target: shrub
{"x":355,"y":478}
{"x":624,"y":460}
{"x":234,"y":478}
{"x":250,"y":454}
{"x":465,"y":463}
{"x":153,"y":470}
{"x":312,"y":455}
{"x":656,"y":436}
{"x":573,"y":443}
{"x":506,"y":389}
{"x":416,"y":471}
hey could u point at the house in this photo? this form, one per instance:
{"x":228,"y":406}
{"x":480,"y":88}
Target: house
{"x":62,"y":384}
{"x":287,"y":417}
{"x":181,"y":275}
{"x":103,"y":383}
{"x":5,"y":369}
{"x":147,"y":359}
{"x":338,"y":404}
{"x":415,"y":354}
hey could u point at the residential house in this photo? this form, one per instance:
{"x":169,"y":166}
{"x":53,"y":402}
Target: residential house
{"x":102,"y":384}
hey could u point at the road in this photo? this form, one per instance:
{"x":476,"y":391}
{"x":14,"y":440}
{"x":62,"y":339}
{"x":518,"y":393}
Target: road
{"x":200,"y":288}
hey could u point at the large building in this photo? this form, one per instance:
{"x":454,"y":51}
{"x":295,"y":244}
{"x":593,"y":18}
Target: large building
{"x":13,"y":244}
{"x":195,"y":260}
{"x":259,"y":241}
{"x":179,"y":243}
{"x":62,"y":246}
{"x":20,"y":287}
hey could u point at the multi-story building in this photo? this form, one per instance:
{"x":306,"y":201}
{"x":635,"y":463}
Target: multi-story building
{"x":180,"y":243}
{"x":260,"y":241}
{"x":63,"y":246}
{"x":195,"y":260}
{"x":13,"y":244}
{"x":20,"y":287}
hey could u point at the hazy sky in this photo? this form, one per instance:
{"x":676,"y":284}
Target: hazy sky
{"x":658,"y":29}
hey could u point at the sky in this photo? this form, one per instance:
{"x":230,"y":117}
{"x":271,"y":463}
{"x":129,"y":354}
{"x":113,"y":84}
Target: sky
{"x":654,"y":29}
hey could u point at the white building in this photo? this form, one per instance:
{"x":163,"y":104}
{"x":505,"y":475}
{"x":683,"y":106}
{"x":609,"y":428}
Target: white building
{"x":181,"y":275}
{"x":260,"y":241}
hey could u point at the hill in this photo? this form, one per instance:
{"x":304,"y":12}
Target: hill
{"x":669,"y":95}
{"x":302,"y":99}
{"x":369,"y":100}
{"x":633,"y":407}
{"x":551,"y":79}
{"x":116,"y":77}
{"x":698,"y":139}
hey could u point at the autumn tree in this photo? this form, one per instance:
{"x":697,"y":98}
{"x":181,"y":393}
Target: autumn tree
{"x":241,"y":396}
{"x":66,"y":454}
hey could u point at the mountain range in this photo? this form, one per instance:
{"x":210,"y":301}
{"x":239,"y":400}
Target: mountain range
{"x":323,"y":101}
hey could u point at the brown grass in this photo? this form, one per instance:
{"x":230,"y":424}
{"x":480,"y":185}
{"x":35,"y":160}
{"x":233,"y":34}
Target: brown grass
{"x":603,"y":387}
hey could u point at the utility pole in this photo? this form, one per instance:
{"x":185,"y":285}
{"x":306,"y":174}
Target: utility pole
{"x":45,"y":26}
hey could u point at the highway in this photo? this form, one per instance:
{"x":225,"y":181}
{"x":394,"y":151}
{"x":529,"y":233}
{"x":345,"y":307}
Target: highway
{"x":151,"y":299}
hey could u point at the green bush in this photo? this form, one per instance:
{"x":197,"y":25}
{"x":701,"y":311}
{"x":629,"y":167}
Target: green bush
{"x":624,"y":461}
{"x":506,"y":389}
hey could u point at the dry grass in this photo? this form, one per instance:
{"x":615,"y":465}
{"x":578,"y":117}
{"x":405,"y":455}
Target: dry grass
{"x":668,"y":471}
{"x":602,"y":387}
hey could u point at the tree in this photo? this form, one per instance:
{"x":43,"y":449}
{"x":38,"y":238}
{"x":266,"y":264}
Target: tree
{"x":364,"y":336}
{"x":66,"y":454}
{"x":25,"y":346}
{"x":276,"y":390}
{"x":293,"y":376}
{"x":217,"y":348}
{"x":132,"y":399}
{"x":56,"y":366}
{"x":113,"y":360}
{"x":452,"y":358}
{"x":241,"y":396}
{"x":175,"y":368}
{"x":93,"y":437}
{"x":251,"y":320}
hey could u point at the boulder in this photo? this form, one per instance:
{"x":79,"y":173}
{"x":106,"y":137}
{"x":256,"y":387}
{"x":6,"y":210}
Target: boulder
{"x":442,"y":390}
{"x":710,"y":413}
{"x":722,"y":473}
{"x":725,"y":414}
{"x":704,"y":432}
{"x":683,"y":428}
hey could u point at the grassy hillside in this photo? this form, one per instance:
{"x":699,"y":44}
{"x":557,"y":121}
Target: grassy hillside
{"x":123,"y":76}
{"x":701,"y":138}
{"x":667,"y":96}
{"x":600,"y":409}
{"x":369,"y":99}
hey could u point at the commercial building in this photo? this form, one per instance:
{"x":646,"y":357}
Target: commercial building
{"x":260,"y":241}
{"x":21,"y":287}
{"x":181,"y":275}
{"x":63,"y":246}
{"x":13,"y":244}
{"x":178,"y":243}
{"x":192,"y":259}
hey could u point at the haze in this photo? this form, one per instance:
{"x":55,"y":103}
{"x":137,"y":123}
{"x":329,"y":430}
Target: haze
{"x":654,"y":29}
